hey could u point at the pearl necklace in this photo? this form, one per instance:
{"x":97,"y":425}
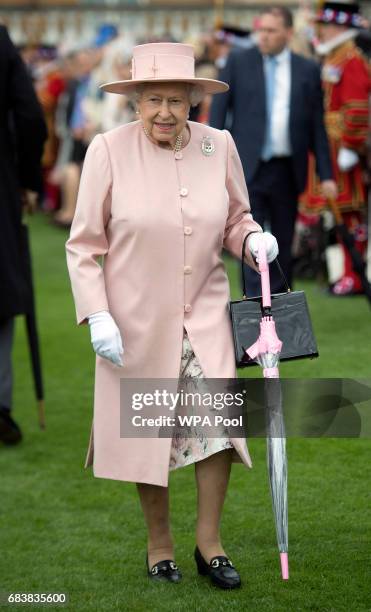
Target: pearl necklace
{"x":178,"y":141}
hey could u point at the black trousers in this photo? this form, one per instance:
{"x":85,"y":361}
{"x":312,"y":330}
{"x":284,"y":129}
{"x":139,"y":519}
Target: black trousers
{"x":274,"y":202}
{"x":6,"y":374}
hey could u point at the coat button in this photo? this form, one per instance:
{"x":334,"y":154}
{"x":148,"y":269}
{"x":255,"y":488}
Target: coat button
{"x":184,"y":192}
{"x":187,"y":269}
{"x":187,"y":308}
{"x":188,"y":230}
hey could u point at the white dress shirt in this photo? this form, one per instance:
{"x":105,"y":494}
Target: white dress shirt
{"x":281,"y":105}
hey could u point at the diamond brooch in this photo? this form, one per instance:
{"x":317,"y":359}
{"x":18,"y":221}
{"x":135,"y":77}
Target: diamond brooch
{"x":207,"y":146}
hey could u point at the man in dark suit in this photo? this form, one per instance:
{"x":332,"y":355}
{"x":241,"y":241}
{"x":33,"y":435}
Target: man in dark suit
{"x":22,"y":135}
{"x":274,"y":111}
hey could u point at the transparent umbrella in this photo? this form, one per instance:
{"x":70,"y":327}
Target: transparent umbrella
{"x":266,"y":351}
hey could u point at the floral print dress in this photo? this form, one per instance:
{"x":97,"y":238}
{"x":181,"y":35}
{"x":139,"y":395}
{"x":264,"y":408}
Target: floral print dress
{"x":187,"y":449}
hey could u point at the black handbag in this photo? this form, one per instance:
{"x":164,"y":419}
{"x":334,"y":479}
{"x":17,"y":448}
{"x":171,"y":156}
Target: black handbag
{"x":291,"y":316}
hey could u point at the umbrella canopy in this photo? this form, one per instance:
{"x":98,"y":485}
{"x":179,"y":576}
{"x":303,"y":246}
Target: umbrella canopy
{"x":31,"y":326}
{"x":266,"y":351}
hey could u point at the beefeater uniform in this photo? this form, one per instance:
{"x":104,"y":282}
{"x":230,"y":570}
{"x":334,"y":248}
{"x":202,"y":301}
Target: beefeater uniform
{"x":346,"y":84}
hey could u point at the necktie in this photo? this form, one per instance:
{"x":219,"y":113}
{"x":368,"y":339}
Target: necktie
{"x":270,"y":76}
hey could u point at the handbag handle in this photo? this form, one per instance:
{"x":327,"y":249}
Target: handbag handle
{"x":242,"y":268}
{"x":264,"y":276}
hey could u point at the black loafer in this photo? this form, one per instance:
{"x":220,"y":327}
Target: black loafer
{"x":9,"y":430}
{"x":220,"y":569}
{"x":164,"y":571}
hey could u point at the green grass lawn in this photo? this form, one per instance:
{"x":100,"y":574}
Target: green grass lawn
{"x":64,"y":531}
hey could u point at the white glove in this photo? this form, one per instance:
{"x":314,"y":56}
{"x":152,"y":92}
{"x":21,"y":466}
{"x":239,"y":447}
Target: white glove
{"x":105,"y":337}
{"x":347,"y":158}
{"x":270,"y":244}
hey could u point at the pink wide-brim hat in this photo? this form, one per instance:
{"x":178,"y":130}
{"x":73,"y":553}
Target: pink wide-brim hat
{"x":163,"y":63}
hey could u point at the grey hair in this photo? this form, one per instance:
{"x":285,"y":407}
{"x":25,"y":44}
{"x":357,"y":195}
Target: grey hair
{"x":195,"y":93}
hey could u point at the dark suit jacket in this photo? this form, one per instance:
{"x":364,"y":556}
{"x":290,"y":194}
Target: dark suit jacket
{"x":245,"y":101}
{"x":22,"y":134}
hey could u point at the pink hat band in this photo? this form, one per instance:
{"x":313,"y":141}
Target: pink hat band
{"x":162,"y":66}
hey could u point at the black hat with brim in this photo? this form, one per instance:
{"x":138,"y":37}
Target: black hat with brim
{"x":340,"y":13}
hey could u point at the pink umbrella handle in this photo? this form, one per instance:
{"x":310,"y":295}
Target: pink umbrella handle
{"x":284,"y":565}
{"x":264,"y":271}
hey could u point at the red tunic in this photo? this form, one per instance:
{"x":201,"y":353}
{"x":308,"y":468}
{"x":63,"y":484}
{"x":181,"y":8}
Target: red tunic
{"x":346,"y":84}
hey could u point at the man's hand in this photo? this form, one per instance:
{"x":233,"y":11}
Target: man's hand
{"x":29,"y":201}
{"x":347,"y":159}
{"x":329,"y":190}
{"x":105,"y":337}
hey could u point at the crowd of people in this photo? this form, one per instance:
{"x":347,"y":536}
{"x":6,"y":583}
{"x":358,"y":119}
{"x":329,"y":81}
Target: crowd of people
{"x":67,"y":83}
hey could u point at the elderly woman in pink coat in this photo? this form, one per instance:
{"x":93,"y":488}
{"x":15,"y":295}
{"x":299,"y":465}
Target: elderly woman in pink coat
{"x":159,"y":199}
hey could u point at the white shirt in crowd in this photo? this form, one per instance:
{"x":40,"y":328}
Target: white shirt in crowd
{"x":281,"y":105}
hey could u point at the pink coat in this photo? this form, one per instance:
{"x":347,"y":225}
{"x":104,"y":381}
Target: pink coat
{"x":161,"y":224}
